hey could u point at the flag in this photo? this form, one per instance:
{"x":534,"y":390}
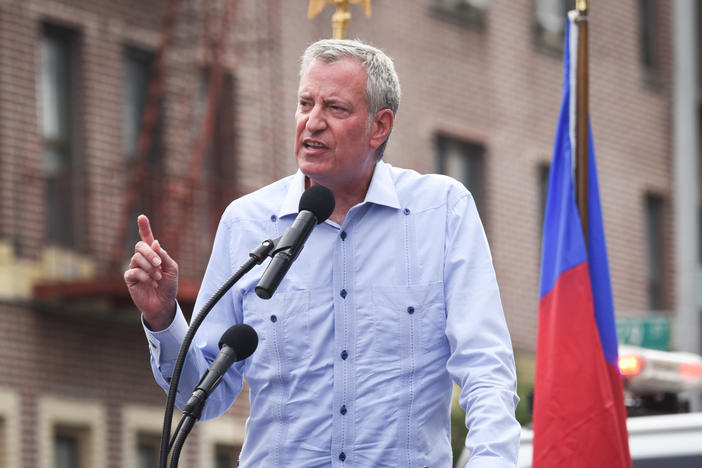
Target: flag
{"x":579,"y":413}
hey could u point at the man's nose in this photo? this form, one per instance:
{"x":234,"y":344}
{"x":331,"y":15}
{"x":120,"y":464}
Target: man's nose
{"x":316,"y":120}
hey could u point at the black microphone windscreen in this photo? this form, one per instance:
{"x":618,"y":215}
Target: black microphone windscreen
{"x":319,"y":200}
{"x":242,"y":338}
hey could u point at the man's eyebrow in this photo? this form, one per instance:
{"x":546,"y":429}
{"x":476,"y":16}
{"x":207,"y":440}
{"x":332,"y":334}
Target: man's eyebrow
{"x":337,"y":100}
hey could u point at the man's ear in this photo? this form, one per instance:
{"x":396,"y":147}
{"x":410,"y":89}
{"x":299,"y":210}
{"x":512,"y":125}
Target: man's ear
{"x":380,"y":127}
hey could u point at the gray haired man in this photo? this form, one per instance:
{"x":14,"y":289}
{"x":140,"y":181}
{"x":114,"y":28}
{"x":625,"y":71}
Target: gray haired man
{"x":393,"y":299}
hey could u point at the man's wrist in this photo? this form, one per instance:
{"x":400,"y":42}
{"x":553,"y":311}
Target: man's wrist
{"x":162,"y":320}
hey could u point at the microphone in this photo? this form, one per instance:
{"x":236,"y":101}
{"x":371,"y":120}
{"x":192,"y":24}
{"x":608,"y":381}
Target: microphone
{"x":236,"y":344}
{"x":316,"y":205}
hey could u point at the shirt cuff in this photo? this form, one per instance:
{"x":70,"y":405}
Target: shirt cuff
{"x":165,"y":344}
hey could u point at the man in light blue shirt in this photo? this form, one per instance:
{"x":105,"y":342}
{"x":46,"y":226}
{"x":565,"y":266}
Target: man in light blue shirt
{"x":392,"y":299}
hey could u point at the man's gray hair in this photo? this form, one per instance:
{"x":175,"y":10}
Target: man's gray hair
{"x":382,"y":85}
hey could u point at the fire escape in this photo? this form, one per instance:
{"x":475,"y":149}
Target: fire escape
{"x":174,"y":200}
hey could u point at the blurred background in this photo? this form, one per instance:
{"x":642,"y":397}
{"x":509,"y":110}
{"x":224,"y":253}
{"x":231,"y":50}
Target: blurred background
{"x":173,"y":108}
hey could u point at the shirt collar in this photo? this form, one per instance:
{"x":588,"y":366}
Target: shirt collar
{"x":291,"y":203}
{"x":381,"y":190}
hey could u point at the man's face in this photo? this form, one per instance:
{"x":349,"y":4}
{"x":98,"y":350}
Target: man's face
{"x":333,"y":144}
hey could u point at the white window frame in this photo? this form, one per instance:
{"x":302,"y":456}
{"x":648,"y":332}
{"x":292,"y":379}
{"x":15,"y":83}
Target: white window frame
{"x":11,"y":430}
{"x":89,"y":416}
{"x":225,"y":430}
{"x":138,"y":419}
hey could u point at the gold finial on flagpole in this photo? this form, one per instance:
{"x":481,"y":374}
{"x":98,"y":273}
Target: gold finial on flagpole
{"x":581,"y":6}
{"x":342,"y":16}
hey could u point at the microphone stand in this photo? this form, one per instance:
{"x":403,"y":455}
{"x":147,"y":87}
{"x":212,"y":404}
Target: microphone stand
{"x":191,"y":415}
{"x":256,"y":257}
{"x":187,"y":424}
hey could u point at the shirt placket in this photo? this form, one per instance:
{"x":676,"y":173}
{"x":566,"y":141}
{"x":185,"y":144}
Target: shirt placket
{"x":344,"y":337}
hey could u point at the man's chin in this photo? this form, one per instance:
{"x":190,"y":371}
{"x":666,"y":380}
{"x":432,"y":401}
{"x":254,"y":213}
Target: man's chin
{"x":316,"y":176}
{"x":312,"y":168}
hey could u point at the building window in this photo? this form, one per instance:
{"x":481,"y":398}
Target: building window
{"x":226,"y":456}
{"x":69,"y":446}
{"x":57,"y":98}
{"x":544,"y":172}
{"x":148,"y":449}
{"x":464,"y":161}
{"x":71,"y":434}
{"x":470,"y":12}
{"x":10,"y":429}
{"x":648,"y":41}
{"x":141,"y":436}
{"x":138,"y":65}
{"x":218,"y":165}
{"x":220,"y":442}
{"x":654,"y":252}
{"x":550,"y":18}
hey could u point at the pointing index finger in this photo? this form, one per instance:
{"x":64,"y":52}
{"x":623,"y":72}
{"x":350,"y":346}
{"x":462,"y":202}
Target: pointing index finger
{"x":145,"y":229}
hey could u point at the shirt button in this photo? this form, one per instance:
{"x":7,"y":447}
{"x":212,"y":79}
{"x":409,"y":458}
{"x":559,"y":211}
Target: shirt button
{"x":406,"y":211}
{"x":274,"y":318}
{"x":343,"y":293}
{"x":410,"y":310}
{"x":342,"y":456}
{"x":343,"y":409}
{"x":344,"y":355}
{"x":343,"y":235}
{"x":274,"y":218}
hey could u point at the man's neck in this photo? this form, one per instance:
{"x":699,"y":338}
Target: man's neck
{"x":345,"y":198}
{"x":342,"y":206}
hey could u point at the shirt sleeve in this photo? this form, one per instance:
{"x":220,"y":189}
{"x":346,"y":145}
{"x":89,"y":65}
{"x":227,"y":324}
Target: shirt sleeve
{"x":482,"y":360}
{"x":165,"y":345}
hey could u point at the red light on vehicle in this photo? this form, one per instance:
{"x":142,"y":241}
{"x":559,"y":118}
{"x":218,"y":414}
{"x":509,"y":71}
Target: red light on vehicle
{"x":631,"y":365}
{"x":691,"y":370}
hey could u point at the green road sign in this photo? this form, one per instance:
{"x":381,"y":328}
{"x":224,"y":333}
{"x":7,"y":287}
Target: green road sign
{"x":647,"y":332}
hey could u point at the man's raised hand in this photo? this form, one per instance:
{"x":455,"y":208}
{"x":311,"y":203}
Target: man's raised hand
{"x":152,"y":279}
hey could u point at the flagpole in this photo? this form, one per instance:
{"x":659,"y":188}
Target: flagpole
{"x":582,"y":112}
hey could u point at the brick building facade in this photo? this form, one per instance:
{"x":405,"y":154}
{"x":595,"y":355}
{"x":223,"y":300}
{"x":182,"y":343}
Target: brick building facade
{"x":481,"y":90}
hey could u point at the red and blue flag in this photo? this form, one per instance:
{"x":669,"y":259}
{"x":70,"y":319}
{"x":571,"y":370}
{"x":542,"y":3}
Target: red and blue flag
{"x":579,"y":412}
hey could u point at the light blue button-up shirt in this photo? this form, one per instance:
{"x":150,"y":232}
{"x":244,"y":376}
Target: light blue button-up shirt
{"x":360,"y":344}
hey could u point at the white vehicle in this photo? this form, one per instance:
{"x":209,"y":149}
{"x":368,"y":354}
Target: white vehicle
{"x":663,"y":441}
{"x":652,"y":382}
